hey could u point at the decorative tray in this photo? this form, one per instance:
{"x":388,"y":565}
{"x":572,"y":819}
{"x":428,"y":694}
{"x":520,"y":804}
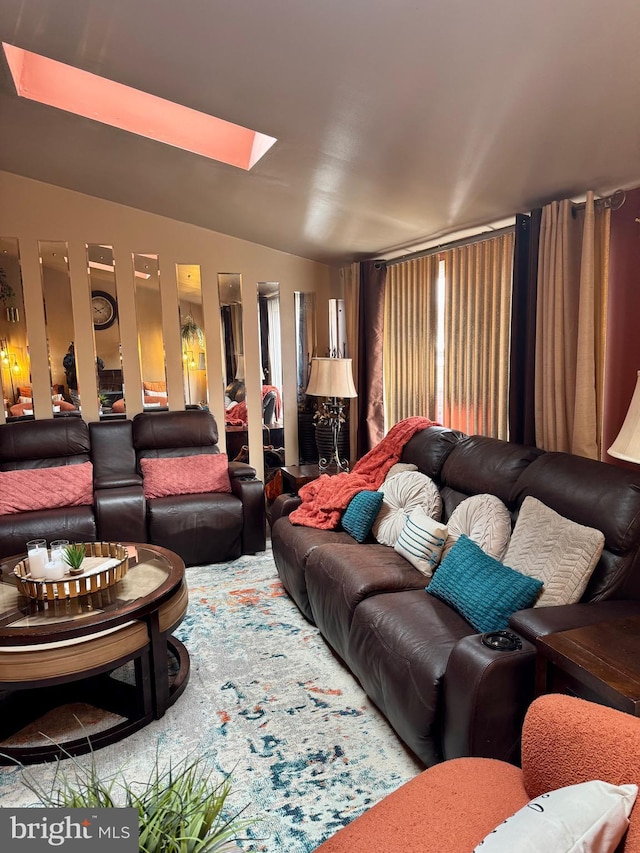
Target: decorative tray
{"x":105,"y":564}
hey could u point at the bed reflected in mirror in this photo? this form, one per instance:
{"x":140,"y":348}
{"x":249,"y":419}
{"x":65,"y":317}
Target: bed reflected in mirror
{"x":192,"y":339}
{"x":15,"y":371}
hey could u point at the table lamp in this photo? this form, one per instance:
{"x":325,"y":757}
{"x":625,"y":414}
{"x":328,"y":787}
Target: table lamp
{"x":627,"y":443}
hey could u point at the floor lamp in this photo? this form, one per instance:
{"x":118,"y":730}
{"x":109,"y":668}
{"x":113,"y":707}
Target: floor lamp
{"x":332,"y":378}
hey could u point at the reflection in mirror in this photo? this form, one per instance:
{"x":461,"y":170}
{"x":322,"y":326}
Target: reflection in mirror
{"x":104,"y":307}
{"x":58,"y":312}
{"x":192,"y":334}
{"x":306,"y":342}
{"x":15,"y":372}
{"x":150,"y":338}
{"x":230,"y":292}
{"x":271,"y":356}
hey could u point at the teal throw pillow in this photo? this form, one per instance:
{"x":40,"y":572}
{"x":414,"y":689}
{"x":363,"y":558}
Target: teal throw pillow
{"x":359,"y":516}
{"x":481,"y":589}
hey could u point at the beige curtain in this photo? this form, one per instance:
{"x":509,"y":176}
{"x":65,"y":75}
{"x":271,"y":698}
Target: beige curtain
{"x":351,"y":283}
{"x":410,"y":340}
{"x":477,"y":336}
{"x":571,"y":319}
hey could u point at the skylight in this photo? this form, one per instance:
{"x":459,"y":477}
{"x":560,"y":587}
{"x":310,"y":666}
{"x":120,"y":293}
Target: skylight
{"x":66,"y":88}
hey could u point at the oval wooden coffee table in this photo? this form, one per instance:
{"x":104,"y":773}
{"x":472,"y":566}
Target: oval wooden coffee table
{"x":80,"y":673}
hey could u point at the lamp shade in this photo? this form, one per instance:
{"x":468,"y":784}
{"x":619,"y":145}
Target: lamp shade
{"x":331,"y":377}
{"x":627,"y":444}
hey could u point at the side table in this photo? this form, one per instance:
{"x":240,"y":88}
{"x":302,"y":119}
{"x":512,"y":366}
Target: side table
{"x":296,"y":476}
{"x":600,"y":662}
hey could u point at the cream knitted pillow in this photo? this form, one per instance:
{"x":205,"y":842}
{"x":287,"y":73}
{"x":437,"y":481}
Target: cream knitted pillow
{"x":557,"y":551}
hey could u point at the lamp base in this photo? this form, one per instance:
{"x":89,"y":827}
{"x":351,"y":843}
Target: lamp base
{"x":331,"y":442}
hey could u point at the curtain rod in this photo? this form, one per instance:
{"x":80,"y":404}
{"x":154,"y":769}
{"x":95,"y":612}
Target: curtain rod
{"x":614,"y":201}
{"x":456,"y":244}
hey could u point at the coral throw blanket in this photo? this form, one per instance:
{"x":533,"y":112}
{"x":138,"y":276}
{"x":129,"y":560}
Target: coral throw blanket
{"x":325,"y":499}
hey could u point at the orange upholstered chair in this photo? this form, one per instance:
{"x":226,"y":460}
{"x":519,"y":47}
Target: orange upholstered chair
{"x":452,"y":806}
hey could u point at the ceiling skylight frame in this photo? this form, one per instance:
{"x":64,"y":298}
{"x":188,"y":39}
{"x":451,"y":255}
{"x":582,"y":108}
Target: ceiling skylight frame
{"x":73,"y":90}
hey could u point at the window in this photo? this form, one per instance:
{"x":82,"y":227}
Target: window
{"x":447,"y":335}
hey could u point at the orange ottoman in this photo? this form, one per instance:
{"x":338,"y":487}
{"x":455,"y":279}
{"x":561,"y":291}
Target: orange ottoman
{"x":448,"y":808}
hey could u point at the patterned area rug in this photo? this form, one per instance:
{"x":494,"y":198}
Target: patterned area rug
{"x":269,"y":703}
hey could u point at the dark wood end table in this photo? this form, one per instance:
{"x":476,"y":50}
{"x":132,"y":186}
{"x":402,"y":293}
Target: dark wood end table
{"x":294,"y":477}
{"x":599,"y":662}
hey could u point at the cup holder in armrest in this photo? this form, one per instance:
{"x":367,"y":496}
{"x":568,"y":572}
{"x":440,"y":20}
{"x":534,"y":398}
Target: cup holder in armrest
{"x":503,"y":641}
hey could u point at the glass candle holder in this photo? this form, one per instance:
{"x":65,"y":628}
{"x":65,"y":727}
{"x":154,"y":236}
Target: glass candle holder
{"x":57,"y":551}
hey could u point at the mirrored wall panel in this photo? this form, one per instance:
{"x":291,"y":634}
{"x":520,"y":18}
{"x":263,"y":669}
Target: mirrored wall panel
{"x":58,"y":312}
{"x":106,"y":326}
{"x":271,"y":363}
{"x":150,"y":338}
{"x":15,"y":372}
{"x":230,"y":293}
{"x":194,"y":361}
{"x":306,"y":345}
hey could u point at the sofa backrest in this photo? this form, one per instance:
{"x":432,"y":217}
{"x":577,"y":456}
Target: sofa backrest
{"x":598,"y":495}
{"x":480,"y":465}
{"x":159,"y":435}
{"x":429,"y":448}
{"x":112,"y":454}
{"x":43,"y":443}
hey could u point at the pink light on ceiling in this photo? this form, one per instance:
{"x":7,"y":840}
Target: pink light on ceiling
{"x":58,"y":85}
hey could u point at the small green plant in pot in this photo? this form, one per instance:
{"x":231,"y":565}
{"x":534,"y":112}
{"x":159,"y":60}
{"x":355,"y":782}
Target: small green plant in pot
{"x":180,"y":809}
{"x":74,"y":556}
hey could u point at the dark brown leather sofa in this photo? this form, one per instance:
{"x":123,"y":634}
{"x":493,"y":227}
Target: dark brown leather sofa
{"x":445,"y":693}
{"x":201,"y":528}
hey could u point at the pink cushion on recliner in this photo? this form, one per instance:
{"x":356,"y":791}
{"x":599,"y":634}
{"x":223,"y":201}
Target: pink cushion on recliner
{"x":185,"y":475}
{"x":46,"y":488}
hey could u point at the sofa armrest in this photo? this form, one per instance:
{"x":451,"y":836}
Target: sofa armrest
{"x":486,"y":695}
{"x":540,"y":621}
{"x":254,"y":527}
{"x":121,"y":514}
{"x":283,"y":505}
{"x":241,"y":471}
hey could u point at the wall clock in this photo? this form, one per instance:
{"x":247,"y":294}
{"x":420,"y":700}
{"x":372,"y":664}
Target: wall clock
{"x":104,"y":308}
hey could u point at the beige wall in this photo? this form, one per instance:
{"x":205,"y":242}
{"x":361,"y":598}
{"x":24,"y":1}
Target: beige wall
{"x":31,"y":211}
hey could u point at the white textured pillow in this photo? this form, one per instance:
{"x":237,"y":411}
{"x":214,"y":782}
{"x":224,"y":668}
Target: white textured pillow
{"x":421,"y":541}
{"x":485,"y":520}
{"x":400,"y":468}
{"x":557,"y":551}
{"x":590,"y":817}
{"x":402,"y":494}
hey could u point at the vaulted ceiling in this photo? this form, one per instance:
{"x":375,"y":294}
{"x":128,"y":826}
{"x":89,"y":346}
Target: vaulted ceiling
{"x":398,"y":121}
